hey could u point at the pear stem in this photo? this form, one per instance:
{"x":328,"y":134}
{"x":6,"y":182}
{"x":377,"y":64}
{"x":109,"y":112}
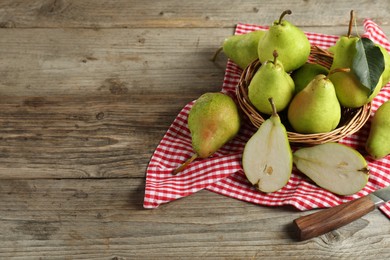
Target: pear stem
{"x":283,"y":14}
{"x":351,"y":19}
{"x":337,"y":70}
{"x":185,"y":164}
{"x":217,"y":52}
{"x":274,"y":112}
{"x":275,"y":54}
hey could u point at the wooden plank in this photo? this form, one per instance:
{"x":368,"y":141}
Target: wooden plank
{"x":95,"y":219}
{"x":109,"y":135}
{"x":81,"y":61}
{"x":173,"y":13}
{"x":82,"y":103}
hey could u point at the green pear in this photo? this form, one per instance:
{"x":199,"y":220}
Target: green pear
{"x":267,"y":157}
{"x":386,"y":56}
{"x":386,"y":72}
{"x":303,"y":75}
{"x":213,"y":120}
{"x":350,"y":92}
{"x":271,"y":80}
{"x":290,"y":42}
{"x":315,"y":109}
{"x":335,"y":167}
{"x":242,"y":49}
{"x":378,"y":141}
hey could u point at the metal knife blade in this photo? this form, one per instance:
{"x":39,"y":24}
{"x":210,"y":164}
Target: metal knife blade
{"x":321,"y":222}
{"x":380,"y":196}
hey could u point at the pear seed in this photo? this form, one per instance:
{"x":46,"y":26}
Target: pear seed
{"x":268,"y":170}
{"x":342,"y":164}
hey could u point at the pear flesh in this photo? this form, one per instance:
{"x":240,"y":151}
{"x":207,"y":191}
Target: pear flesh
{"x":267,"y":156}
{"x":290,"y":42}
{"x":333,"y":166}
{"x":242,"y":49}
{"x":378,"y":141}
{"x":271,"y":80}
{"x":315,"y":109}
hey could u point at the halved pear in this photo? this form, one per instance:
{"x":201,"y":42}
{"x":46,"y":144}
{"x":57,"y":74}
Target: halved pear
{"x":335,"y":167}
{"x":267,"y":156}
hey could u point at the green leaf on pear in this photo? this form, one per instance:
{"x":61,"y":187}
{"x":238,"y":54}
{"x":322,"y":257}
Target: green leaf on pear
{"x":368,"y":63}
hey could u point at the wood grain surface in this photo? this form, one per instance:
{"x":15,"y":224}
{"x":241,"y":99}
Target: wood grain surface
{"x":87,"y":91}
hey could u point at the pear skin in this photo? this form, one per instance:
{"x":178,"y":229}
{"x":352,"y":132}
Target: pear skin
{"x":271,"y":80}
{"x":290,"y":42}
{"x":242,"y":49}
{"x":378,"y":141}
{"x":315,"y":109}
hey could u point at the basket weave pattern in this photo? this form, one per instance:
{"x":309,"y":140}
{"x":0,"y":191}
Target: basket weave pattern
{"x":351,"y":119}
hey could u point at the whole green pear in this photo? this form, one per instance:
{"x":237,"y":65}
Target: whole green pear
{"x":386,"y":56}
{"x":271,"y":80}
{"x":386,"y":72}
{"x":378,"y":141}
{"x":306,"y":73}
{"x":290,"y":42}
{"x":242,"y":49}
{"x":213,"y":120}
{"x":350,"y":92}
{"x":315,"y":109}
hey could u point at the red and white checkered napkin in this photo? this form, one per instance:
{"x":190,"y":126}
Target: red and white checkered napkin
{"x":222,"y":173}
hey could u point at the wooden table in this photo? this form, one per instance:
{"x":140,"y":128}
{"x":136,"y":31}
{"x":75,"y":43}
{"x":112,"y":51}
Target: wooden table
{"x":88,"y":89}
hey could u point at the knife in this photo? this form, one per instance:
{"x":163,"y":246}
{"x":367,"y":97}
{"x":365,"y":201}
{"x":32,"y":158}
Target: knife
{"x":321,"y":222}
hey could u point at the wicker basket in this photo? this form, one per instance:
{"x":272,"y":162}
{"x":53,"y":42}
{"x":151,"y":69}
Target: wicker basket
{"x":351,"y":119}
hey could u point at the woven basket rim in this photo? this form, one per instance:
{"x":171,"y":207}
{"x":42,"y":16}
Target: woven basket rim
{"x":352,"y":119}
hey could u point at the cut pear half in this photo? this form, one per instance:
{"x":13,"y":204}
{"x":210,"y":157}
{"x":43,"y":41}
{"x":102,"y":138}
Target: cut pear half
{"x":335,"y":167}
{"x":267,"y":157}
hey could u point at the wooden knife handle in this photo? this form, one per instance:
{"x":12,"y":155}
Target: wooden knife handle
{"x":332,"y":218}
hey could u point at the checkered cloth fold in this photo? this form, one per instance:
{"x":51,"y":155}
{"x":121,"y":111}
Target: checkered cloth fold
{"x":223,"y":174}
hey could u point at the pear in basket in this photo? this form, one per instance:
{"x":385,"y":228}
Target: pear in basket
{"x":386,"y":56}
{"x":303,"y":75}
{"x":378,"y":142}
{"x":271,"y":80}
{"x":267,"y":157}
{"x":350,"y":90}
{"x":213,"y":120}
{"x":242,"y":49}
{"x":386,"y":72}
{"x":316,"y":109}
{"x":290,"y":42}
